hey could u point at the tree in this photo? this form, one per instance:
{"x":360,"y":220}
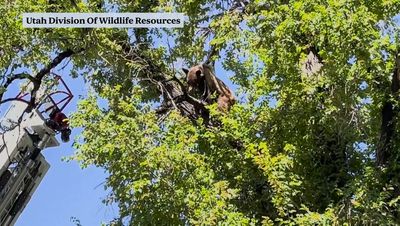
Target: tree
{"x":313,"y":141}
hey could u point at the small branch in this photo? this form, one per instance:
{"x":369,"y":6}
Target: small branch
{"x":238,"y":6}
{"x":17,"y":76}
{"x":13,"y":99}
{"x":169,"y":96}
{"x":176,"y":95}
{"x":12,"y":79}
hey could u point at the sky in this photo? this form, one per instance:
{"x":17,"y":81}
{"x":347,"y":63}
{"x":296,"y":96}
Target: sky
{"x":67,"y":191}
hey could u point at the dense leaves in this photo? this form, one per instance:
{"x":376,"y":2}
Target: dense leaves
{"x":299,"y":148}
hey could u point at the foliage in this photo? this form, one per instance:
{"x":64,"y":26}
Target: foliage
{"x":298,"y":149}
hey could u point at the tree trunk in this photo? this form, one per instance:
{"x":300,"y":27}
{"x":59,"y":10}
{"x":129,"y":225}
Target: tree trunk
{"x":389,"y":112}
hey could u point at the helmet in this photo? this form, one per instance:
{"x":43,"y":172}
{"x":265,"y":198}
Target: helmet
{"x":65,"y":133}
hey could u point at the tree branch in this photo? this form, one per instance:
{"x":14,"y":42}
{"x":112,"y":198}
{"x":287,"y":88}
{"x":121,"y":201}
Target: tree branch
{"x":37,"y":81}
{"x":174,"y":90}
{"x":389,"y":111}
{"x":12,"y":78}
{"x":238,"y":6}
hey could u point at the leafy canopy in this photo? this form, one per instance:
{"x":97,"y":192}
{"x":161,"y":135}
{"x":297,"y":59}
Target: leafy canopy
{"x":298,"y":149}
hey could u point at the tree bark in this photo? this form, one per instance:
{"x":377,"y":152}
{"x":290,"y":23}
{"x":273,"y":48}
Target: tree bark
{"x":389,"y":112}
{"x":173,"y":91}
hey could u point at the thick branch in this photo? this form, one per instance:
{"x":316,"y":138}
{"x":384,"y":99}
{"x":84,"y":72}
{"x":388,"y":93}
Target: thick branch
{"x":312,"y":64}
{"x":56,"y":61}
{"x":388,"y":123}
{"x":175,"y":93}
{"x":37,"y":81}
{"x":12,"y":78}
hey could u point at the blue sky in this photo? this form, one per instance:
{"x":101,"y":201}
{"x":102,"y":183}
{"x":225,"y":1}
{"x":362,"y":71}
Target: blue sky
{"x":67,"y":190}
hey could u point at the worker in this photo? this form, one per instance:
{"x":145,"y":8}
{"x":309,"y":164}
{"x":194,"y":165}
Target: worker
{"x":58,"y":121}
